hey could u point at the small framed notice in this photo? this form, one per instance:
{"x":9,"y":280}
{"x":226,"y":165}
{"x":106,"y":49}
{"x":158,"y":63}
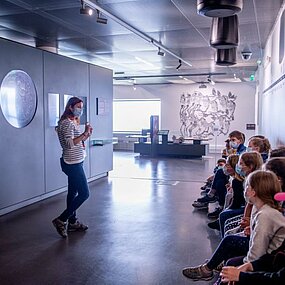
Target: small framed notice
{"x":53,"y":109}
{"x":250,"y":126}
{"x":102,"y":106}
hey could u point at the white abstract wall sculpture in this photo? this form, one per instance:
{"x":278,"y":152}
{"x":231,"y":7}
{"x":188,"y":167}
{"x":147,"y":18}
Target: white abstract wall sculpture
{"x":205,"y":115}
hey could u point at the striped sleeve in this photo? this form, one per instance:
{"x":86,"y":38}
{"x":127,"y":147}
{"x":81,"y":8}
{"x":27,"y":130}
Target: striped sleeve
{"x":71,"y":153}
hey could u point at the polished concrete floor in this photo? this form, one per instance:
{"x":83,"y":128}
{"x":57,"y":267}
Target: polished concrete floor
{"x":142,"y":229}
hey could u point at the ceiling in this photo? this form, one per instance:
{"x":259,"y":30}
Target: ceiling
{"x":127,"y":49}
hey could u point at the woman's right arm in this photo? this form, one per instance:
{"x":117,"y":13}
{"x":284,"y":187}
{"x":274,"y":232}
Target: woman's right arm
{"x":83,"y":137}
{"x":67,"y":132}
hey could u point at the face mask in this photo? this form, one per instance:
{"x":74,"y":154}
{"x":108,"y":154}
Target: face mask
{"x":249,"y":149}
{"x":220,"y":167}
{"x":77,"y":112}
{"x":234,"y":145}
{"x":239,"y":171}
{"x":247,"y":200}
{"x":225,"y":171}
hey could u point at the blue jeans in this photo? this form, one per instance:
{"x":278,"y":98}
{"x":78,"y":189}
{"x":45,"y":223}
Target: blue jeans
{"x":78,"y":190}
{"x":230,"y":246}
{"x":219,"y":183}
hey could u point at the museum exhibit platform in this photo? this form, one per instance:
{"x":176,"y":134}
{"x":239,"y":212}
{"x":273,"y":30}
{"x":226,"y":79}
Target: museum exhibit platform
{"x":190,"y":147}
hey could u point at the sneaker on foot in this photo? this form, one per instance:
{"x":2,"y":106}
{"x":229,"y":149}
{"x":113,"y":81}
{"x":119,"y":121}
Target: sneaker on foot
{"x":207,"y":199}
{"x":215,"y":225}
{"x":60,"y":227}
{"x":204,"y":187}
{"x":77,"y":227}
{"x":198,"y":273}
{"x":215,"y":214}
{"x":199,"y":205}
{"x":205,"y":192}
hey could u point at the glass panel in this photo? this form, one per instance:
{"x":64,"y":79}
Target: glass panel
{"x":18,"y":98}
{"x":53,"y":109}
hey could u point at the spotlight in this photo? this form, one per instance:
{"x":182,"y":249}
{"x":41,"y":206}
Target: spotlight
{"x":101,"y":20}
{"x":85,"y":10}
{"x":160,"y":52}
{"x":179,"y":65}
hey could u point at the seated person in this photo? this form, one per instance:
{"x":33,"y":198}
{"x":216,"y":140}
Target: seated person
{"x":234,"y":197}
{"x":277,"y":152}
{"x":268,"y":269}
{"x":218,"y":190}
{"x":220,"y":164}
{"x":248,"y":162}
{"x":277,"y":165}
{"x":267,"y":231}
{"x":260,"y":145}
{"x":237,"y":140}
{"x":227,"y":150}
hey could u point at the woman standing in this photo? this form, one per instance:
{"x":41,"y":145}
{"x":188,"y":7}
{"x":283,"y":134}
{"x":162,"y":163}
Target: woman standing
{"x":73,"y":153}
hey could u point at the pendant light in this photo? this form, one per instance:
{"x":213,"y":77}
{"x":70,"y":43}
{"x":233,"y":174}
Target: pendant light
{"x":219,"y":8}
{"x":226,"y":57}
{"x":224,"y":32}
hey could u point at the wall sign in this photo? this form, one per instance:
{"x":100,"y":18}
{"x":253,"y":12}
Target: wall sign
{"x":102,"y":106}
{"x":250,"y":126}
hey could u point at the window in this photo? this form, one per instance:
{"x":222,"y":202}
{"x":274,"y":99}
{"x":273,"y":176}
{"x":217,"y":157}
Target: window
{"x":281,"y":38}
{"x":134,"y":115}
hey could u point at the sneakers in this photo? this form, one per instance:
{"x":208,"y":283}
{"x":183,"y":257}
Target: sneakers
{"x":207,"y":199}
{"x":77,"y":227}
{"x":198,"y":273}
{"x":215,"y":225}
{"x":205,"y":192}
{"x":199,"y":205}
{"x":215,"y":214}
{"x":207,"y":184}
{"x":60,"y":227}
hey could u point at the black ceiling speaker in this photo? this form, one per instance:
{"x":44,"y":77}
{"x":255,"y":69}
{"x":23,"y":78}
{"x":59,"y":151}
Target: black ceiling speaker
{"x":224,"y":32}
{"x":226,"y":57}
{"x":219,"y":8}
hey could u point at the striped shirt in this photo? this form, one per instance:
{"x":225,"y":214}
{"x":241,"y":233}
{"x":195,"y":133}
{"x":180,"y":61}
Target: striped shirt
{"x":67,"y":130}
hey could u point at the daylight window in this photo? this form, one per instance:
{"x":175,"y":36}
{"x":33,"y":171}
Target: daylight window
{"x":134,"y":115}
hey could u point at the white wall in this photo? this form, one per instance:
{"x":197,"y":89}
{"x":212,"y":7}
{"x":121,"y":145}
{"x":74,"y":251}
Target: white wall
{"x":272,"y":86}
{"x":169,"y":94}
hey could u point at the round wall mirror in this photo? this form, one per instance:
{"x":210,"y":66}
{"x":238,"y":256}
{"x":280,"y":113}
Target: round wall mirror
{"x":18,"y":98}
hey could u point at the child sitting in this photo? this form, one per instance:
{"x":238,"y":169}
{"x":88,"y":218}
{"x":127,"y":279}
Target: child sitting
{"x":267,"y":228}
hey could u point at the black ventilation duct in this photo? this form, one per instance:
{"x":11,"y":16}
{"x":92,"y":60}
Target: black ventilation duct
{"x":226,"y":57}
{"x":224,"y":32}
{"x":219,"y":8}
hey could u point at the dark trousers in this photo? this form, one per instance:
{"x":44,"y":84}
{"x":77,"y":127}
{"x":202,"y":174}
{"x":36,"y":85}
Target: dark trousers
{"x":78,"y":190}
{"x":219,"y":184}
{"x":230,"y":246}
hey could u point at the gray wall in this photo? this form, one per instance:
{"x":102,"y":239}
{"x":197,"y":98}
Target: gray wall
{"x":101,"y":157}
{"x":29,"y":168}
